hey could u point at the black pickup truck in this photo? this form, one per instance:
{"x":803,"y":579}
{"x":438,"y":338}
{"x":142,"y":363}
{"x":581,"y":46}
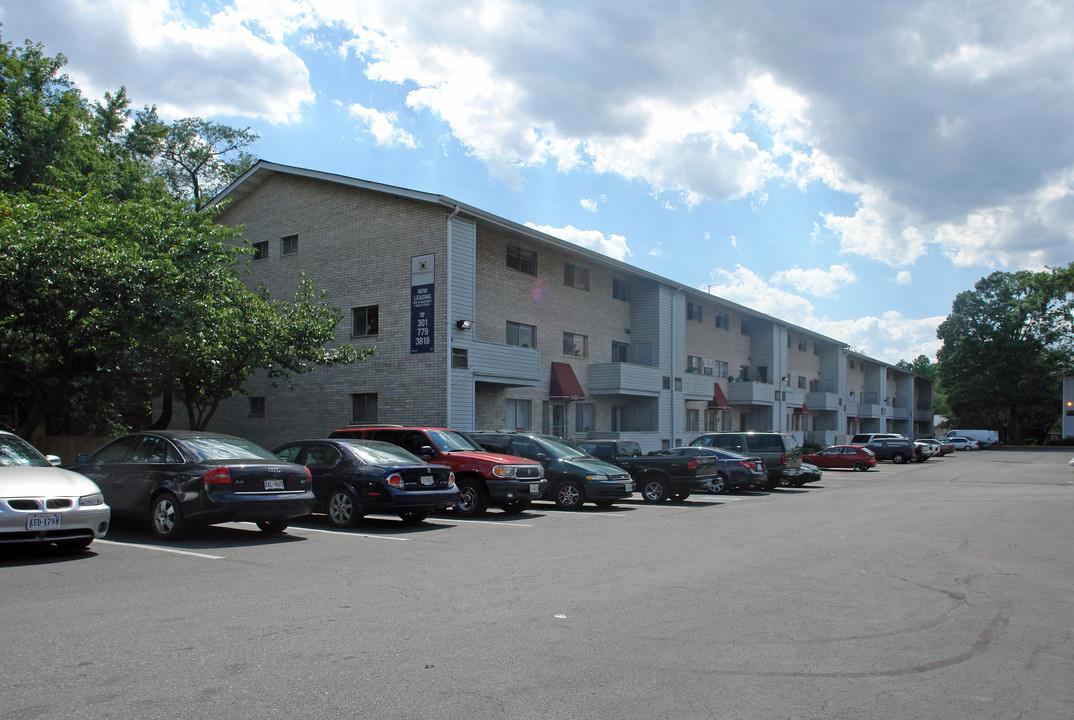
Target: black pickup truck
{"x":658,"y":478}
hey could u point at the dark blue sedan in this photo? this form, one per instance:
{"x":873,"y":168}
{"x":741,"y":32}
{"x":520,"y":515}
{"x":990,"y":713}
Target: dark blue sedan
{"x":354,"y":478}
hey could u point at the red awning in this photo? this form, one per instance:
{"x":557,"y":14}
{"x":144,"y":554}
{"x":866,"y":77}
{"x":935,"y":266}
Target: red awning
{"x":564,"y":385}
{"x":719,"y":400}
{"x":804,"y":410}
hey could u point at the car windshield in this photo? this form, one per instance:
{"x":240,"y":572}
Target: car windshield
{"x":226,"y":448}
{"x":451,"y":441}
{"x":383,"y":453}
{"x":560,"y":449}
{"x":14,"y":451}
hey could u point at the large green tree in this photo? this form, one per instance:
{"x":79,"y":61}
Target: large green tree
{"x":1004,"y":352}
{"x":116,"y":288}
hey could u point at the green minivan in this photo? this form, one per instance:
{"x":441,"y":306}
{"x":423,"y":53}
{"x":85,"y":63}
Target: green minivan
{"x":574,"y":477}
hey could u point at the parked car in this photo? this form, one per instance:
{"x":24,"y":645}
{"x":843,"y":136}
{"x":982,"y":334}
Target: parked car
{"x":781,"y":453}
{"x":842,"y":456}
{"x":509,"y":481}
{"x":928,"y":449}
{"x":181,"y":478}
{"x":810,"y":473}
{"x":44,"y":504}
{"x":735,"y":472}
{"x":574,"y":476}
{"x":984,"y":438}
{"x":942,"y":447}
{"x":963,"y":443}
{"x":897,"y":451}
{"x":657,"y":478}
{"x":355,"y":478}
{"x":866,"y":438}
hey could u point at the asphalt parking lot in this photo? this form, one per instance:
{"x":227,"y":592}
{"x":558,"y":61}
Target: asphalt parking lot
{"x":936,"y":590}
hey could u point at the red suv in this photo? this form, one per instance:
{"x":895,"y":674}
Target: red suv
{"x":482,"y":477}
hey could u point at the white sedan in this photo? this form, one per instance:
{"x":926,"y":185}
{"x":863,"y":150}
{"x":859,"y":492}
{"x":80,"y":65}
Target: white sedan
{"x":44,"y":504}
{"x":962,"y":443}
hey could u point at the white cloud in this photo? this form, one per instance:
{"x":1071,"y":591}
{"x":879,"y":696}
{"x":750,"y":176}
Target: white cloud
{"x":614,"y":246}
{"x":381,"y":126}
{"x":904,"y":277}
{"x":889,"y":336}
{"x":816,"y":281}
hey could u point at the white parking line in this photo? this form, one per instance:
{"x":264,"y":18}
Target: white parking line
{"x":159,"y":548}
{"x":486,"y":522}
{"x":351,"y":534}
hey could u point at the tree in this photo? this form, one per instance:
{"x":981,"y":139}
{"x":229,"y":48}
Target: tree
{"x":1002,"y":356}
{"x":198,"y":158}
{"x":116,"y":291}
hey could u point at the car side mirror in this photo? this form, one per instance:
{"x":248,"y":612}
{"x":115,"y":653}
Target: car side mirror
{"x":426,"y":451}
{"x":54,"y":460}
{"x":82,"y":459}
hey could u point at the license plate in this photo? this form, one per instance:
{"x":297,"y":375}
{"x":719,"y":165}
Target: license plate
{"x":535,"y":488}
{"x":274,"y":484}
{"x":629,"y":487}
{"x":428,"y":480}
{"x":41,"y":522}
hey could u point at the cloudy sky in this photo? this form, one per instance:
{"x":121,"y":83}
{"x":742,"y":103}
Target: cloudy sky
{"x":849,"y":167}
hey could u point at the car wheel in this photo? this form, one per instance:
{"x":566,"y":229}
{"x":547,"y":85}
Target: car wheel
{"x":413,"y":517}
{"x":655,"y":491}
{"x":343,"y":509}
{"x":859,"y":465}
{"x":167,"y":517}
{"x":898,"y":458}
{"x":272,"y":527}
{"x":515,"y":506}
{"x":785,"y":480}
{"x":473,"y":499}
{"x":719,"y":485}
{"x":569,"y":496}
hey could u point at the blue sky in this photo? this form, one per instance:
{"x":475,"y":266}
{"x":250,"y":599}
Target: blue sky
{"x":849,"y":167}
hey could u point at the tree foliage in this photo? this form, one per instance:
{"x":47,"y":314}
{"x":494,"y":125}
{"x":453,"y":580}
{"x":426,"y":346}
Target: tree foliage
{"x":1006,"y":347}
{"x":115,"y":289}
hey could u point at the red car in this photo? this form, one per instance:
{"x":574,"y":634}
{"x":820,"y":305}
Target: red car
{"x":843,"y":456}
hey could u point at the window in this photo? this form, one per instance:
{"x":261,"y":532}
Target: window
{"x":720,"y":368}
{"x":460,"y":358}
{"x":290,"y":245}
{"x":693,"y":419}
{"x":694,"y":365}
{"x":619,"y":289}
{"x":521,"y":335}
{"x":364,"y":408}
{"x":576,"y":277}
{"x":802,"y":382}
{"x":693,"y":311}
{"x":745,"y":327}
{"x":257,"y":407}
{"x":851,"y":363}
{"x":803,"y":344}
{"x":521,"y":259}
{"x":723,"y":320}
{"x":365,"y":320}
{"x":576,"y":345}
{"x":261,"y":250}
{"x":518,"y":414}
{"x":619,"y":352}
{"x":583,"y":417}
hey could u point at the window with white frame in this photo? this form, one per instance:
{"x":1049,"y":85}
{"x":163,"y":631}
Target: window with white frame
{"x":365,"y":320}
{"x":364,"y":408}
{"x":518,"y":414}
{"x":521,"y":335}
{"x":575,"y":345}
{"x":576,"y":277}
{"x":583,"y":417}
{"x":694,"y":364}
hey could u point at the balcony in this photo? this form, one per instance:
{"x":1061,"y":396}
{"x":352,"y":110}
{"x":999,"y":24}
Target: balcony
{"x":627,"y":379}
{"x":501,"y":364}
{"x":822,"y":401}
{"x":749,"y":392}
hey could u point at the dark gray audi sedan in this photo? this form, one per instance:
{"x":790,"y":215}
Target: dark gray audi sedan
{"x":177,"y":479}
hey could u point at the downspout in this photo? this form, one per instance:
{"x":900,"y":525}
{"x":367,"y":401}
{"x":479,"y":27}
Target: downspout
{"x":448,"y":324}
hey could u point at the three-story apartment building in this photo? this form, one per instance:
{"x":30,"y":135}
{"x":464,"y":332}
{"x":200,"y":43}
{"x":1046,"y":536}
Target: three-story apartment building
{"x":481,"y":323}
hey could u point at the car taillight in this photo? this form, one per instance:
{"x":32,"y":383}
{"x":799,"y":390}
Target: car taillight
{"x":309,"y":476}
{"x":691,"y":465}
{"x":218,"y":476}
{"x":451,"y":480}
{"x":783,"y":459}
{"x":395,"y":480}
